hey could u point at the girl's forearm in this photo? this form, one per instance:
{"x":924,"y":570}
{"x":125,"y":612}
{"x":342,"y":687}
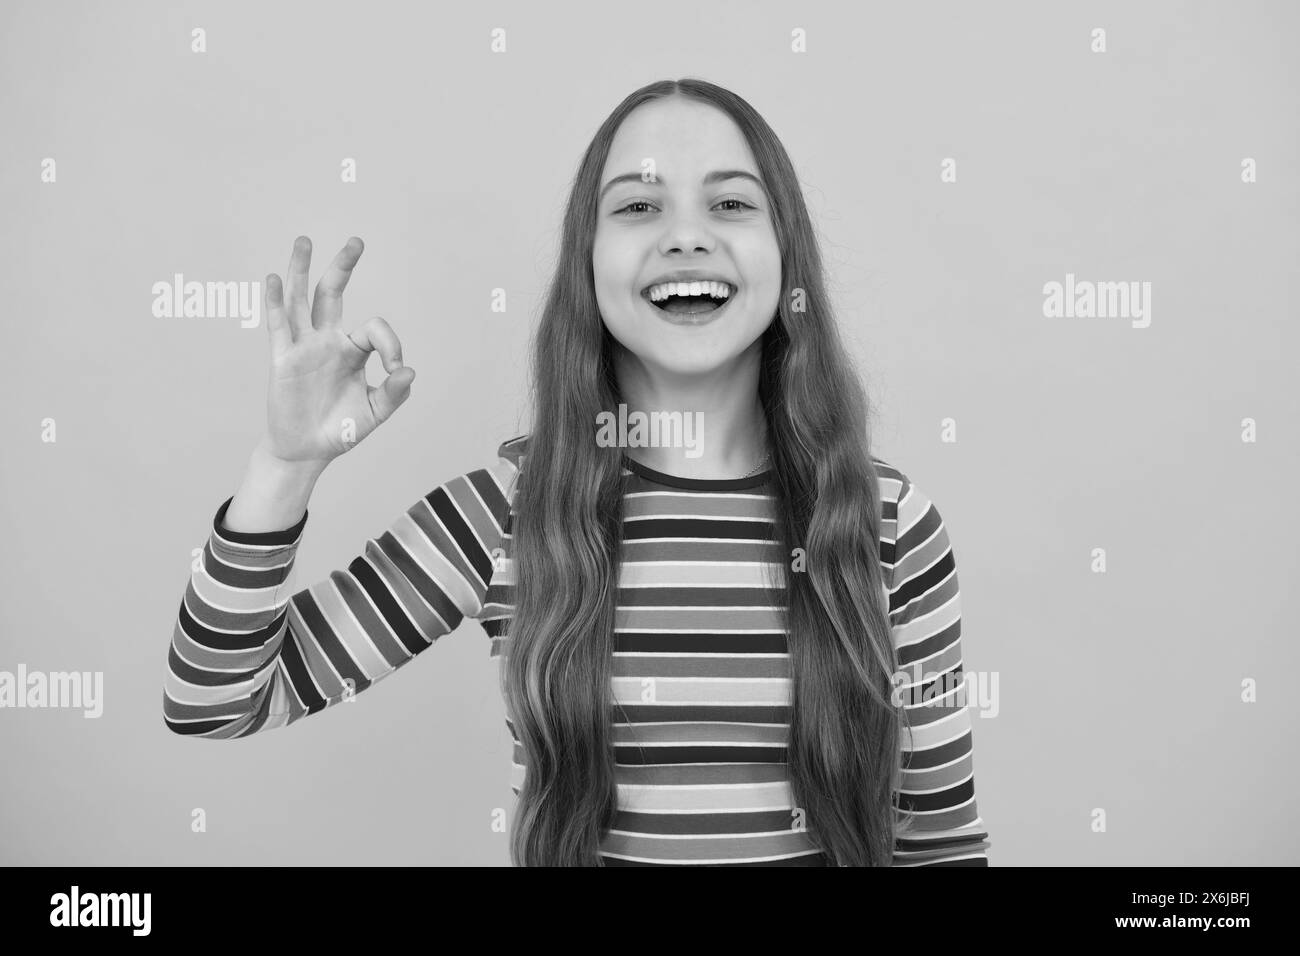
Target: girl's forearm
{"x":273,"y":494}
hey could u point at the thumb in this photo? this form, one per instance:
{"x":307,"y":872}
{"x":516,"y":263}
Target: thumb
{"x":395,"y":390}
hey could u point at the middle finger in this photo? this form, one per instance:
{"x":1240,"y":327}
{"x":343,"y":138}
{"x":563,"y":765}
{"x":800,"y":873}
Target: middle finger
{"x":327,"y":304}
{"x":295,"y":285}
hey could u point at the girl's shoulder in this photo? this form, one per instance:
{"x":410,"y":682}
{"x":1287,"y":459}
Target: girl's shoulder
{"x":514,"y":449}
{"x":506,"y":470}
{"x":904,"y":501}
{"x":893,"y":482}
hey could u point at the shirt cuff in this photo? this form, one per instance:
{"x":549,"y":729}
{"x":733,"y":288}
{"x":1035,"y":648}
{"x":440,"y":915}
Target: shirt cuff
{"x":273,"y":538}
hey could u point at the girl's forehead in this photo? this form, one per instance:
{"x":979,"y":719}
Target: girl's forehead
{"x":689,"y":139}
{"x":677,"y":120}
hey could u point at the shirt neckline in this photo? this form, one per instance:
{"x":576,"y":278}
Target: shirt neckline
{"x":695,"y":484}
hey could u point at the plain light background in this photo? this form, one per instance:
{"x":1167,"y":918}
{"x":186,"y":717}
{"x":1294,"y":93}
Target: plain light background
{"x":1119,"y":691}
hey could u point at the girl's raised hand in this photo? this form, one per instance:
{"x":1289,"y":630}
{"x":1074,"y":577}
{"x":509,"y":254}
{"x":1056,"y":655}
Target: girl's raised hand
{"x":318,"y":402}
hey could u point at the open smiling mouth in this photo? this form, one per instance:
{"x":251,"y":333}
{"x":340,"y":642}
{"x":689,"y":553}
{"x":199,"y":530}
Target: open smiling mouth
{"x":689,"y":298}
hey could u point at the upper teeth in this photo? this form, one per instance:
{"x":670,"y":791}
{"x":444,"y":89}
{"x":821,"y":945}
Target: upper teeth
{"x":718,"y":290}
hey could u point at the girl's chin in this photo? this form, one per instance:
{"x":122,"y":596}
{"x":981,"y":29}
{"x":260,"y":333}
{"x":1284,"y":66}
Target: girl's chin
{"x":688,"y":359}
{"x":686,"y":349}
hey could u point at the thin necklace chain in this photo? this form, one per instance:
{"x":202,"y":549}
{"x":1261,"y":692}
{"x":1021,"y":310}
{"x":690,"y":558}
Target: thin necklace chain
{"x":753,"y":471}
{"x":762,"y":461}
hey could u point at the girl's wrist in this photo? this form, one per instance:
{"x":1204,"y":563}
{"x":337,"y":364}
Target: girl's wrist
{"x":290,"y":473}
{"x":274,"y":493}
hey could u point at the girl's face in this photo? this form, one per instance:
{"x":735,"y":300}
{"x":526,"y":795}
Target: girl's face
{"x":699,"y":213}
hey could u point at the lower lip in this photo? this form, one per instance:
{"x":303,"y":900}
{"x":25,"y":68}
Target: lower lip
{"x":698,"y":318}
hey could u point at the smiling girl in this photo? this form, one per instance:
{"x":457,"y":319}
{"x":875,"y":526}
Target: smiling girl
{"x":705,"y":660}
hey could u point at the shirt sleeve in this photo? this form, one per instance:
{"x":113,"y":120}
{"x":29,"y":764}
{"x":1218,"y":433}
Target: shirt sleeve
{"x":249,"y":654}
{"x":939,"y":824}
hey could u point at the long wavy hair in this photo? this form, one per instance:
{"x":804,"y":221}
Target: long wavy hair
{"x":844,"y":745}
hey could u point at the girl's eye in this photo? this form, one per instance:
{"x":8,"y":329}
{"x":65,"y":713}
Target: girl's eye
{"x":624,"y":210}
{"x":628,"y":210}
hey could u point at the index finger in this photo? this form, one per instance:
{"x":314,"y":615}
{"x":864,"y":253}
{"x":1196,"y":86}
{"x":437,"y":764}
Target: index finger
{"x":327,"y":303}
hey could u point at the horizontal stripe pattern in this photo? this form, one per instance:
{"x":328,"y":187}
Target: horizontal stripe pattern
{"x":701,"y":678}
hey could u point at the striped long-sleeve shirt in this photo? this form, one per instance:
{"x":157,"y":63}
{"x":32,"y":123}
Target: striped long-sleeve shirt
{"x":700,"y":757}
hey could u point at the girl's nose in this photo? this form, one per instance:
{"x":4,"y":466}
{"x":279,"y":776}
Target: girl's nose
{"x":686,"y":232}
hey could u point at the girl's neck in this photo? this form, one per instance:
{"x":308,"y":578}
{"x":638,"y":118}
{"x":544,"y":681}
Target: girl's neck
{"x":726,"y":434}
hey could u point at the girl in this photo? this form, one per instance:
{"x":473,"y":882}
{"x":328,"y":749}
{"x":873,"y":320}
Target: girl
{"x":712,"y":658}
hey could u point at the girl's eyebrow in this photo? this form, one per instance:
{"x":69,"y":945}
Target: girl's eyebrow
{"x":717,"y":176}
